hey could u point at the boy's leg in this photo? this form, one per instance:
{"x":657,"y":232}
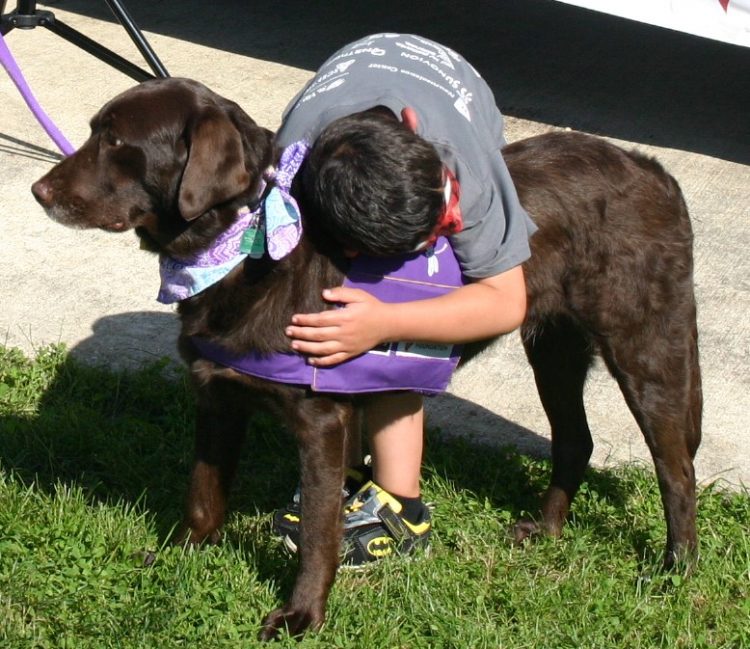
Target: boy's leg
{"x":395,"y":422}
{"x":387,"y":515}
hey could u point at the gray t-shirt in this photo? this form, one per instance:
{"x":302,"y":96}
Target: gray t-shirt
{"x":456,"y":113}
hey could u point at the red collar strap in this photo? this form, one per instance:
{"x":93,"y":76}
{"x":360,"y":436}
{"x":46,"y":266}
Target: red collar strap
{"x":450,"y":220}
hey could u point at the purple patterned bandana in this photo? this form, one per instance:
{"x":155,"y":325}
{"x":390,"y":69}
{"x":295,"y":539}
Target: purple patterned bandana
{"x":283,"y":224}
{"x":274,"y":224}
{"x":183,"y":278}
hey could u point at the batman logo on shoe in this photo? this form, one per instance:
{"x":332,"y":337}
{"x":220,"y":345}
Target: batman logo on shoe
{"x":380,"y":546}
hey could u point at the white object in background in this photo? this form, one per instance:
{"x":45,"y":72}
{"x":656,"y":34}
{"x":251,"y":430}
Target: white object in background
{"x":722,"y":20}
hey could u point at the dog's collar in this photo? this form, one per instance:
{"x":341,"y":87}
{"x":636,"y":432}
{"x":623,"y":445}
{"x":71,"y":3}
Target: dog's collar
{"x":450,"y":220}
{"x":186,"y":277}
{"x":272,"y":224}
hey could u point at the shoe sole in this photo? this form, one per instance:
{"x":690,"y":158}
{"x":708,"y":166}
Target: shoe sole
{"x":290,"y":545}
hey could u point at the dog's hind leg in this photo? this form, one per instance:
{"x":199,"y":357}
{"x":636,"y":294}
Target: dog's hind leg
{"x":322,"y":427}
{"x":659,"y":375}
{"x":220,"y":430}
{"x":560,"y":354}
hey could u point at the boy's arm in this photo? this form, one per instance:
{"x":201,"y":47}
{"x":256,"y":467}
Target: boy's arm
{"x":485,"y":308}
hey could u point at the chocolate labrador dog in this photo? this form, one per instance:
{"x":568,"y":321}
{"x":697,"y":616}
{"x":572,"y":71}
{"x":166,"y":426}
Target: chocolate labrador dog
{"x":610,"y":273}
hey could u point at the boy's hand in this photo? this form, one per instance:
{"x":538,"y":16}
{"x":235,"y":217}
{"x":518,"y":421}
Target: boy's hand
{"x":481,"y":309}
{"x":331,"y":337}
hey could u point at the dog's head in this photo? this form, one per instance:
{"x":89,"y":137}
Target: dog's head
{"x":169,"y":158}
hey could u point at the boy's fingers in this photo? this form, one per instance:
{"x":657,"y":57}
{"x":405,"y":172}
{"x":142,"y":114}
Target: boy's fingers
{"x":325,"y":361}
{"x":311,"y":333}
{"x":321,"y":354}
{"x":309,"y":347}
{"x":344,"y":294}
{"x":322,"y":319}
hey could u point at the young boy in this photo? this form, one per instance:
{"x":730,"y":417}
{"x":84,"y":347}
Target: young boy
{"x":399,"y":125}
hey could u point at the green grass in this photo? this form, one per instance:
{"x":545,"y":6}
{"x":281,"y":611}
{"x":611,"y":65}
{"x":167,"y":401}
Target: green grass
{"x":93,"y":467}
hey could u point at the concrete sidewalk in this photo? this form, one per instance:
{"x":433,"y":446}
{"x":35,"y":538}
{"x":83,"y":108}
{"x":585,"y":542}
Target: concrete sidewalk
{"x":677,"y":97}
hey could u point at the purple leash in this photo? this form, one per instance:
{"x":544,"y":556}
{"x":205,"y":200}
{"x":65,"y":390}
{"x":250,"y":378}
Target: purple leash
{"x":11,"y":67}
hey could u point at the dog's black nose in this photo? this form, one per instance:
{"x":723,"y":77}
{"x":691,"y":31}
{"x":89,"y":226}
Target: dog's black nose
{"x":42,"y":190}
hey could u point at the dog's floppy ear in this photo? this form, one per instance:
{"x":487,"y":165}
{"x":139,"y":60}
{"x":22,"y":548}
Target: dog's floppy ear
{"x":215,"y":169}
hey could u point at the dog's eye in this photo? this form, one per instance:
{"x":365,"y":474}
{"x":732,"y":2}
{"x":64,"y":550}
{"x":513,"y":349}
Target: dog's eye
{"x":113,"y":140}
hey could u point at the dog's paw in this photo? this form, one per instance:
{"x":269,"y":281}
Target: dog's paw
{"x":524,"y":530}
{"x":187,"y":535}
{"x":681,"y":559}
{"x":294,"y":620}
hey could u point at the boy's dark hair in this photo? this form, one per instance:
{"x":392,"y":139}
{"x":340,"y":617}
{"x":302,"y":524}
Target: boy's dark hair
{"x":372,"y":184}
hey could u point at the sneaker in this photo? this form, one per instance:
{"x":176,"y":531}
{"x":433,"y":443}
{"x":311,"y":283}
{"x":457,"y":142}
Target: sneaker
{"x":286,"y":520}
{"x":374,"y":528}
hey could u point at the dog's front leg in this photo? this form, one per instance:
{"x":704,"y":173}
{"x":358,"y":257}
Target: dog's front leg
{"x":220,"y":431}
{"x":321,"y":427}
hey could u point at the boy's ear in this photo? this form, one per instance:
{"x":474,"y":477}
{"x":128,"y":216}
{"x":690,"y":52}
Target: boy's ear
{"x":409,"y":118}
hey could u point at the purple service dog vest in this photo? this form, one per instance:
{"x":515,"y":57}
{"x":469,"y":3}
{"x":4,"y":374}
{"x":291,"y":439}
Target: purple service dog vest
{"x":422,"y":367}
